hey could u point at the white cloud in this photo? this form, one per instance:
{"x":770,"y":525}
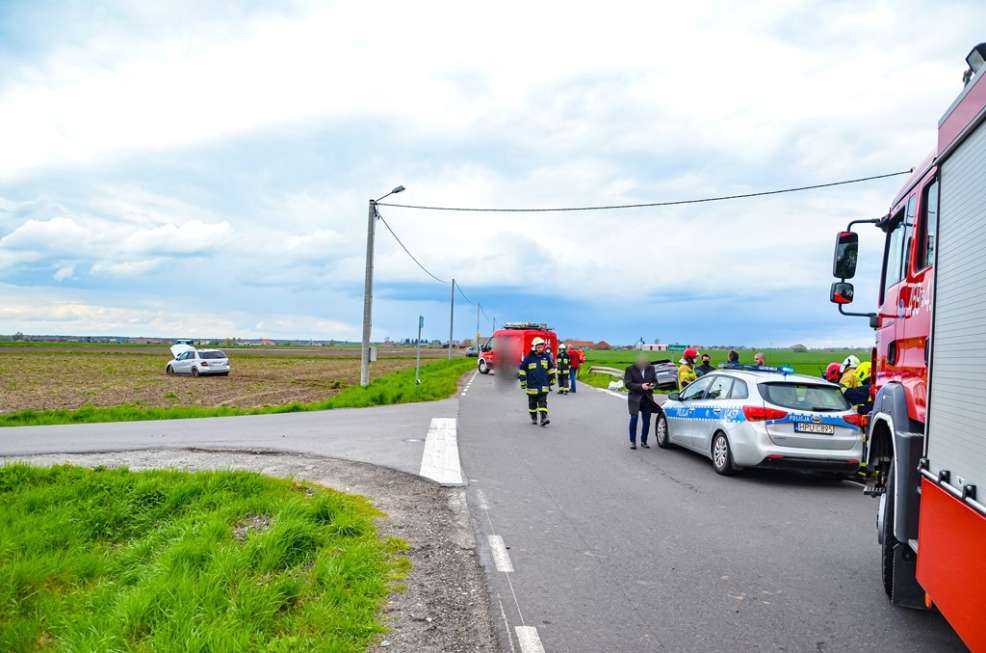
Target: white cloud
{"x":570,"y":105}
{"x":48,"y":311}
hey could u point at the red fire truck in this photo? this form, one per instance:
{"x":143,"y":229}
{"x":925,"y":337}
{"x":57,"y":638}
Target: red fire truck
{"x":927,"y":428}
{"x":510,"y":344}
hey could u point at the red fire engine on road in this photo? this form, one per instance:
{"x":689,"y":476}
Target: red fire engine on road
{"x":510,"y":344}
{"x":927,"y":431}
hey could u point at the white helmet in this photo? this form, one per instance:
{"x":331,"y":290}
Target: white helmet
{"x":563,"y":346}
{"x":536,"y":342}
{"x":850,"y":362}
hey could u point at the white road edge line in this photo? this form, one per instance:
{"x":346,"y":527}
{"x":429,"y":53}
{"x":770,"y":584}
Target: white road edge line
{"x":529,"y":640}
{"x":440,"y":458}
{"x":500,"y":556}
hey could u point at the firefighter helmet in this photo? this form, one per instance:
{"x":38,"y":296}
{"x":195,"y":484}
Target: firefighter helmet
{"x":849,"y":362}
{"x":691,"y":352}
{"x":833,"y":372}
{"x":863,"y":372}
{"x":562,"y":346}
{"x":536,"y":342}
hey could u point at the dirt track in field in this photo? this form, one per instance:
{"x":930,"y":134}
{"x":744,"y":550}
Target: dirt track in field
{"x":44,"y":379}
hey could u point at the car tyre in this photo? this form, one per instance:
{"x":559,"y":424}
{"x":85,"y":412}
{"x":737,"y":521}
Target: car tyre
{"x":170,"y":371}
{"x":722,"y":455}
{"x":483,"y":367}
{"x":661,"y":432}
{"x":889,"y":541}
{"x":195,"y":371}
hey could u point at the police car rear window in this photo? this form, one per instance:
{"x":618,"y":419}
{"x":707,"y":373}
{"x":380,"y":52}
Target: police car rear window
{"x":804,"y":396}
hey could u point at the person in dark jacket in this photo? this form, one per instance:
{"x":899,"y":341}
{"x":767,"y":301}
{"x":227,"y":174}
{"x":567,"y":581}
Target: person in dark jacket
{"x":705,"y":367}
{"x":537,"y":376}
{"x":732,"y":359}
{"x":563,"y":364}
{"x":640,"y":380}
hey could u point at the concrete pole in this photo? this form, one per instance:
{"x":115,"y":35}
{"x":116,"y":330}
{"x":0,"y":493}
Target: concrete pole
{"x":364,"y":366}
{"x":451,"y":320}
{"x":478,"y":307}
{"x":417,"y":354}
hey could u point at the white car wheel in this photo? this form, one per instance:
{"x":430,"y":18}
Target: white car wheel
{"x":722,"y":456}
{"x":170,"y":371}
{"x":483,"y":369}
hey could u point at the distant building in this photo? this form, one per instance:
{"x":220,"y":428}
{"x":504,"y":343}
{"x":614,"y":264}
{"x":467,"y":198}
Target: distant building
{"x":653,"y":346}
{"x":580,"y":344}
{"x":602,"y":345}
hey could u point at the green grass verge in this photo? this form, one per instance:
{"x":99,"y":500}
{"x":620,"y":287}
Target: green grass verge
{"x":113,"y":560}
{"x":438,"y":381}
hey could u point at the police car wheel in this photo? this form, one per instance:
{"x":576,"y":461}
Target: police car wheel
{"x":722,"y":456}
{"x":663,"y":436}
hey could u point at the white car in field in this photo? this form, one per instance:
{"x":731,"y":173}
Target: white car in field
{"x":764,"y":418}
{"x":189,"y":360}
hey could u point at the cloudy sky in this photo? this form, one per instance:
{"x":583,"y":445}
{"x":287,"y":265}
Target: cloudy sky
{"x":202,"y":169}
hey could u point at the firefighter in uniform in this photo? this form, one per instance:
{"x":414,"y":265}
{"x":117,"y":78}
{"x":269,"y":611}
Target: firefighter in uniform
{"x":537,"y":376}
{"x":564,"y":365}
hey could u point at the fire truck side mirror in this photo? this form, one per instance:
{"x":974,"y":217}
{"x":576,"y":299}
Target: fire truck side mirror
{"x":846,"y":250}
{"x":841,"y":293}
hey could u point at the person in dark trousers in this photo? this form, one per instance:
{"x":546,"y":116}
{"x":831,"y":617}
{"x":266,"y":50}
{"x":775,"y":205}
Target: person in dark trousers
{"x":578,"y":357}
{"x":640,"y":380}
{"x":563,"y":365}
{"x":537,"y":375}
{"x":732,"y":359}
{"x":705,"y":367}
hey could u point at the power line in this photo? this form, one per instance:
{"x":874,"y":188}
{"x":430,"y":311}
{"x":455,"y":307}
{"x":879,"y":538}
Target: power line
{"x":408,"y":252}
{"x":458,"y":287}
{"x":717,"y":198}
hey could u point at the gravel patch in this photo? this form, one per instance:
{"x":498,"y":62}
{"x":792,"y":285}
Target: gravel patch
{"x":445,"y":607}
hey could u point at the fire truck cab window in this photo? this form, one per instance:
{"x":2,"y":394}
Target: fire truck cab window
{"x":929,"y":227}
{"x":894,"y":257}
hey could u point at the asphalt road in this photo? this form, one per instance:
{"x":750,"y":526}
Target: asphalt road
{"x":649,"y":550}
{"x":391,"y":436}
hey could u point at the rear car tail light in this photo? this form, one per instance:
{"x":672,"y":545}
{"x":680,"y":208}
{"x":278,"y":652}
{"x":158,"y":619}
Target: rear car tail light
{"x":760,"y":414}
{"x":204,"y":364}
{"x":857,"y":420}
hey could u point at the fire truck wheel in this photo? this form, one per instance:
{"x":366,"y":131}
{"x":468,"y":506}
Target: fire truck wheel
{"x":483,"y":369}
{"x":889,"y":542}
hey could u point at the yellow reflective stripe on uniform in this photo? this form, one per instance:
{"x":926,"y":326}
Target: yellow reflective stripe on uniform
{"x":553,"y":370}
{"x":531,"y":366}
{"x":544,"y":362}
{"x":532,"y":391}
{"x":522,"y":372}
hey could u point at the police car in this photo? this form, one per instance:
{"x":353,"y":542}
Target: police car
{"x":764,"y":417}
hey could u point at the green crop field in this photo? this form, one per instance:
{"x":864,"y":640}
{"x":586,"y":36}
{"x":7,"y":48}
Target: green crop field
{"x":113,"y":560}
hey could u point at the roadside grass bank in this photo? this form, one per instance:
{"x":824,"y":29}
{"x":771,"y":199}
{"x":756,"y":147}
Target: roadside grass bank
{"x":438,"y":381}
{"x":109,"y":559}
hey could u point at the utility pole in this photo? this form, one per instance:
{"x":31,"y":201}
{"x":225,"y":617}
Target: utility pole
{"x":478,"y":307}
{"x":371,"y":223}
{"x":417,"y":354}
{"x":364,"y":365}
{"x":451,"y":320}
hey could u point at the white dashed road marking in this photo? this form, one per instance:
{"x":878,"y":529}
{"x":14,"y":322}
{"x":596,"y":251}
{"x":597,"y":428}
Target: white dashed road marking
{"x":529,"y":640}
{"x":500,"y":556}
{"x":440,"y":460}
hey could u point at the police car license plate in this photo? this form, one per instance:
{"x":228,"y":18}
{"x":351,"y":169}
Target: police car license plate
{"x":811,"y":427}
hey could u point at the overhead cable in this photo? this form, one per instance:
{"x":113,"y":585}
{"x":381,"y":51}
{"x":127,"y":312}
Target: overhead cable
{"x":611,"y":207}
